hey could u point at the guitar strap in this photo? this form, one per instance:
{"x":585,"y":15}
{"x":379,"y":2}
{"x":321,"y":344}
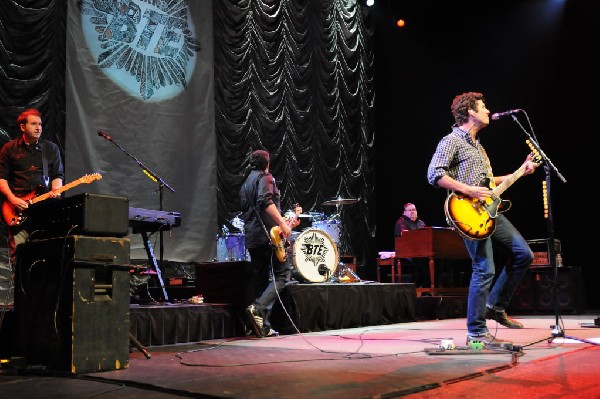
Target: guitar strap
{"x":488,"y":164}
{"x":45,"y":177}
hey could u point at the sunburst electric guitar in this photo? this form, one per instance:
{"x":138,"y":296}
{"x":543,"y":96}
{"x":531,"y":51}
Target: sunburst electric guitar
{"x":279,"y":241}
{"x":13,"y":217}
{"x":474,"y":218}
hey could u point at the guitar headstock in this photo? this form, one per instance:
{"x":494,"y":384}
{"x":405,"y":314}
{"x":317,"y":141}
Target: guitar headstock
{"x":90,"y":178}
{"x":535,"y":154}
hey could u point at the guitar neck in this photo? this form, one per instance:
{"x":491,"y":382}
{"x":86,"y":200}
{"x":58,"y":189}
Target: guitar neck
{"x":497,"y":192}
{"x":59,"y":190}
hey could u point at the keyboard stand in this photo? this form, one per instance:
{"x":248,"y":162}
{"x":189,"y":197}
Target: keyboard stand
{"x":152,"y":259}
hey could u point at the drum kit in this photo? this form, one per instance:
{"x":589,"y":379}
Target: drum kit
{"x":231,"y":247}
{"x":313,"y":252}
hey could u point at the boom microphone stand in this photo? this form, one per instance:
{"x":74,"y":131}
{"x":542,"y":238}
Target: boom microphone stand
{"x":161,"y":184}
{"x":556,"y":329}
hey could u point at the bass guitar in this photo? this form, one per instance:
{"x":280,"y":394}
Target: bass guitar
{"x":13,"y":217}
{"x":475,"y":219}
{"x":280,"y":243}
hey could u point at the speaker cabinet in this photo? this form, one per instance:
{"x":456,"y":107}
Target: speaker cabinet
{"x":72,"y":303}
{"x":83,"y":214}
{"x":540,"y":292}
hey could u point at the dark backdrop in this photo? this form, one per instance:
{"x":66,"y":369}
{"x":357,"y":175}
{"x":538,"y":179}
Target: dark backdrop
{"x":534,"y":55}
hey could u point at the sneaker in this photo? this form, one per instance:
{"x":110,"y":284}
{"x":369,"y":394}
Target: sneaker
{"x":489,"y":341}
{"x":256,"y":320}
{"x":272,"y":333}
{"x":502,"y":318}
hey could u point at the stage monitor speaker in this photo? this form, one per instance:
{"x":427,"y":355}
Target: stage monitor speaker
{"x":539,"y":290}
{"x":83,"y":214}
{"x":72,"y":304}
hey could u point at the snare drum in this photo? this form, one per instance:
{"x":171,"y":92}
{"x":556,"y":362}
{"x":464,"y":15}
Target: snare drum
{"x":331,"y":227}
{"x":315,"y":256}
{"x":231,"y":247}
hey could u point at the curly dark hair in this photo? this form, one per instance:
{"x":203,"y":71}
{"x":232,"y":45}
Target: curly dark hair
{"x":461,"y":105}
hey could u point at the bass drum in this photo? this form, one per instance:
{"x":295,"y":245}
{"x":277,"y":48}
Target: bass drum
{"x":315,"y":256}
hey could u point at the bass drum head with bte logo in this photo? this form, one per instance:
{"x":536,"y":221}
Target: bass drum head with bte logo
{"x":315,"y":256}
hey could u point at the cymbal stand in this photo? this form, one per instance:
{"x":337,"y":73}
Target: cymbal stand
{"x":342,"y":270}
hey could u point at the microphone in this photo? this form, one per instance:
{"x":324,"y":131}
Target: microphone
{"x":106,"y":136}
{"x":322,"y":269}
{"x":499,"y":115}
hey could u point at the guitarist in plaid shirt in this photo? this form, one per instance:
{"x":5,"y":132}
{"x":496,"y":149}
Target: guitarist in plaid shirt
{"x":460,"y":164}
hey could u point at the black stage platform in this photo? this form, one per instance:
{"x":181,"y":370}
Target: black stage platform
{"x":311,"y":308}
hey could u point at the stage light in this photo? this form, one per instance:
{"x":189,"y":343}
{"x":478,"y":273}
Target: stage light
{"x":400,"y":23}
{"x":370,"y":2}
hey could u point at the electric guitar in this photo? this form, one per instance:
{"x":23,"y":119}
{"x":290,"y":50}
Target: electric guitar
{"x":474,"y":218}
{"x":279,"y":241}
{"x":13,"y":217}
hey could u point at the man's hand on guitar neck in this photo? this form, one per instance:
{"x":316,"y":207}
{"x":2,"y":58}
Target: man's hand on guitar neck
{"x":54,"y":193}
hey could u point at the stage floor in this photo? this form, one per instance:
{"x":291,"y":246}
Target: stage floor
{"x":383,"y":361}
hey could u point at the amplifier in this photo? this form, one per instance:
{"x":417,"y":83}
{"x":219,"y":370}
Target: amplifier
{"x":72,"y":303}
{"x":83,"y":214}
{"x":541,"y":251}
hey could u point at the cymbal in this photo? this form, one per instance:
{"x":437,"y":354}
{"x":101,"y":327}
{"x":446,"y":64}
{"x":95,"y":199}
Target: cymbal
{"x":301,"y":215}
{"x":340,"y":201}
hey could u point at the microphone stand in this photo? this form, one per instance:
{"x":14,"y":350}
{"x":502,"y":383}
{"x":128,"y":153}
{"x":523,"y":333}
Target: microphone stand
{"x":161,"y":184}
{"x":556,"y":329}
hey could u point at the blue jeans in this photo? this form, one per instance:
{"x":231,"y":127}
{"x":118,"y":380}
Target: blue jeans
{"x":507,"y":237}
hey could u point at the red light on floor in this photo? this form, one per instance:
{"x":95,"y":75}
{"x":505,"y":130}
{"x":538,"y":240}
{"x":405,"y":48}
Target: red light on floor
{"x":400,"y":23}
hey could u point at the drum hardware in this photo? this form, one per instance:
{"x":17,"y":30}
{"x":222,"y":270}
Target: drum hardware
{"x":316,"y":216}
{"x":238,"y":223}
{"x":344,"y":274}
{"x":334,"y":227}
{"x":337,"y":217}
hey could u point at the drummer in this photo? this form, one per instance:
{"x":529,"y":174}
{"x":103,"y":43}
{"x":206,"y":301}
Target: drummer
{"x":296,"y":213}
